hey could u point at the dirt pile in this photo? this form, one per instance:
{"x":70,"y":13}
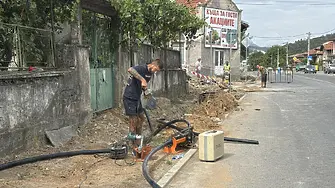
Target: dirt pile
{"x":212,"y":111}
{"x":199,"y":85}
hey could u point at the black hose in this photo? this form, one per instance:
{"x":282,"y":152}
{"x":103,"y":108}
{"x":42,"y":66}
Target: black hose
{"x":145,"y":164}
{"x":51,"y":156}
{"x":246,"y":141}
{"x":148,"y":119}
{"x":166,"y":124}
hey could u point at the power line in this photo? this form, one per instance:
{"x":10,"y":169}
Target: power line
{"x":324,"y":32}
{"x":292,"y":36}
{"x":268,"y":37}
{"x":286,"y":3}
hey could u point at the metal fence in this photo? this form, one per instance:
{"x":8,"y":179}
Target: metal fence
{"x":23,"y":46}
{"x":146,"y":53}
{"x":280,"y":76}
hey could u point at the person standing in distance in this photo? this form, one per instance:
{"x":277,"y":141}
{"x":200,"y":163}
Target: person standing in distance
{"x":198,"y":65}
{"x":138,"y":82}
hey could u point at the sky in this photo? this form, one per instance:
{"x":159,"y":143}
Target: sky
{"x":280,"y":21}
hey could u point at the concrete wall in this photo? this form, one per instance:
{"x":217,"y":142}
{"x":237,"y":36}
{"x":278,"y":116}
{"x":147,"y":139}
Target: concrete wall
{"x":198,"y":47}
{"x":170,"y":82}
{"x":31,"y":103}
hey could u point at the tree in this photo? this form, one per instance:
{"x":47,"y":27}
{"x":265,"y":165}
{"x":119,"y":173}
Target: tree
{"x":257,"y":58}
{"x":273,"y":52}
{"x":156,"y":21}
{"x":31,"y":14}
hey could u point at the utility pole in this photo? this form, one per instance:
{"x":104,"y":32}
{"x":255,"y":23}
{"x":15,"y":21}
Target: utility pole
{"x":211,"y":49}
{"x":287,"y":55}
{"x":246,"y":48}
{"x":230,"y":55}
{"x":309,"y":43}
{"x":278,"y":58}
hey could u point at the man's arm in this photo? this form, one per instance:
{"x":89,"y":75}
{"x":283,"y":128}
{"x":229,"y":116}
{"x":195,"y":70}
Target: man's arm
{"x":133,"y":72}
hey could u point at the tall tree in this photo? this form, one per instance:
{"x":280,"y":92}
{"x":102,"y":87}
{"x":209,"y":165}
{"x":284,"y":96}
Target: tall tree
{"x":257,"y":58}
{"x":273,"y":53}
{"x":156,"y":21}
{"x":268,"y":59}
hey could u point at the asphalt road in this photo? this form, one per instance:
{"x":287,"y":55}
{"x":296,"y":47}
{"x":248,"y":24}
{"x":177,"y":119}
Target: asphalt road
{"x":296,"y":131}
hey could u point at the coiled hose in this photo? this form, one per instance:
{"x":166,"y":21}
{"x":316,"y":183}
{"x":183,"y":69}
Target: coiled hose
{"x":51,"y":156}
{"x":145,"y":169}
{"x":229,"y":139}
{"x":170,"y":124}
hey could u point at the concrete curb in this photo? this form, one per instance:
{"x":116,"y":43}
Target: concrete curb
{"x":166,"y":179}
{"x":240,"y":100}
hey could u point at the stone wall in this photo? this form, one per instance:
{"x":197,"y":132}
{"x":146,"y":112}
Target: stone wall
{"x":32,"y":103}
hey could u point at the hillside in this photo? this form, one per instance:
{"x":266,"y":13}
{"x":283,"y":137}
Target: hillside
{"x":254,"y":48}
{"x":300,"y":46}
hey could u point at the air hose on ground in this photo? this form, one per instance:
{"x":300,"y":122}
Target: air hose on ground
{"x":229,"y":139}
{"x":165,"y":124}
{"x":51,"y":156}
{"x":145,"y":169}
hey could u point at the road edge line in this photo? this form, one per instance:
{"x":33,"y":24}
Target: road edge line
{"x":166,"y":179}
{"x":240,"y":100}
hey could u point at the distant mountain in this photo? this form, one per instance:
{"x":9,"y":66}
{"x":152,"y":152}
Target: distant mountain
{"x":254,"y":47}
{"x":300,"y":46}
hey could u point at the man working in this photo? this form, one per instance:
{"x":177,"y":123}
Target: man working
{"x":140,"y":76}
{"x":226,"y":68}
{"x":262,"y":71}
{"x":198,"y":65}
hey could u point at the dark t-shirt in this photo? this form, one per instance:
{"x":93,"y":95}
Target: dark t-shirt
{"x":133,"y":89}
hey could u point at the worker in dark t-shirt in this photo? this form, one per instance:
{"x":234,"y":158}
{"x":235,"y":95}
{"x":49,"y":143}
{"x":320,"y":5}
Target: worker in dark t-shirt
{"x":140,"y":76}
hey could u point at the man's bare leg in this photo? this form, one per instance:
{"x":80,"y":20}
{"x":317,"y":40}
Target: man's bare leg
{"x":133,"y":121}
{"x":140,"y":121}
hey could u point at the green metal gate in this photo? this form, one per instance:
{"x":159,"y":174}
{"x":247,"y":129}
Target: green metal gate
{"x":102,"y":59}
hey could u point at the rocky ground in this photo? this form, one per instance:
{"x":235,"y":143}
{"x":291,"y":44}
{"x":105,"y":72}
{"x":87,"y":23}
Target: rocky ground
{"x":111,"y":126}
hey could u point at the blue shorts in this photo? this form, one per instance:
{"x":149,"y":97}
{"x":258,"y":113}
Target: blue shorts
{"x":132,"y":107}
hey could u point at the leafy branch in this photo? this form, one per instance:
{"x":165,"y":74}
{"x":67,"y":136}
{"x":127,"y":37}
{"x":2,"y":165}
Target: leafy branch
{"x":156,"y":21}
